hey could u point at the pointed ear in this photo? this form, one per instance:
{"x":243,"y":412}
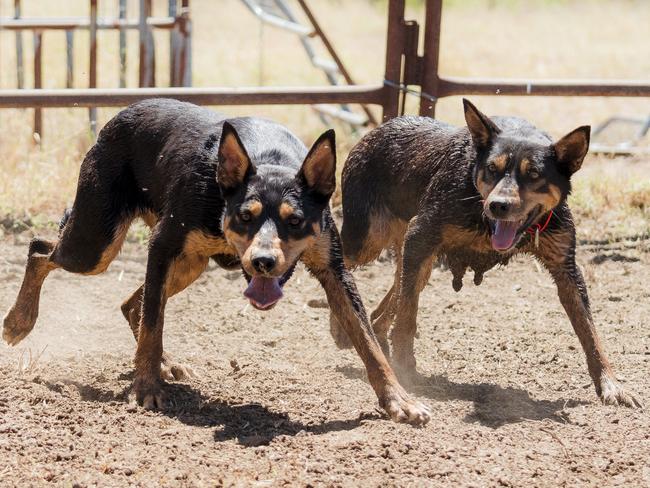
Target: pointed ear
{"x":572,"y":149}
{"x":319,"y":168}
{"x":480,"y":126}
{"x":234,"y":165}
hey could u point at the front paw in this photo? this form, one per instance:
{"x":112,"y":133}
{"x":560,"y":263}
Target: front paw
{"x":612,"y":393}
{"x":402,"y":408}
{"x":171,"y":370}
{"x":16,"y":326}
{"x":149,"y":393}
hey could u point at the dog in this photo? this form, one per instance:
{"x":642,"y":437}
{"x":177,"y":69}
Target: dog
{"x":474,"y":197}
{"x":244,"y":191}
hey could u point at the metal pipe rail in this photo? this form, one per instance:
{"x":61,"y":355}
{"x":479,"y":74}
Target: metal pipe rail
{"x":69,"y":23}
{"x":119,"y":97}
{"x":449,"y":86}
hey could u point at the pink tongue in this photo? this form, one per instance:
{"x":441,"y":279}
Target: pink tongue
{"x":263,"y":292}
{"x":504,"y":234}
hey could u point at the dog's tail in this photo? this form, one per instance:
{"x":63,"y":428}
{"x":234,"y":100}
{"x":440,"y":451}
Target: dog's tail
{"x":64,"y":220}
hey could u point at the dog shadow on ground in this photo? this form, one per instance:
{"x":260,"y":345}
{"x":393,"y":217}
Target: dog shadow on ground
{"x":251,"y":424}
{"x":494,"y":405}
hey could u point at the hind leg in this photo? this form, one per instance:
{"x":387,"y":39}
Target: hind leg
{"x":20,"y":319}
{"x":363,"y":240}
{"x":383,"y":316}
{"x":80,"y":249}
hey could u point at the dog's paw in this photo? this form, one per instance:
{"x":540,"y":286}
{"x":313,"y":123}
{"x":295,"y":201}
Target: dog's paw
{"x":402,"y":408}
{"x":16,"y":327}
{"x":149,"y":394}
{"x":612,"y":393}
{"x":171,"y":370}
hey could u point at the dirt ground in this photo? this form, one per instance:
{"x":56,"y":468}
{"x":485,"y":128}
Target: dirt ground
{"x":276,"y":403}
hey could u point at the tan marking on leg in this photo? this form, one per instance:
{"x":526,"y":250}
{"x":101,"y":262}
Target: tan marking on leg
{"x":150,"y":218}
{"x":384,"y":232}
{"x":382,"y":318}
{"x":20,"y":319}
{"x":113,"y":249}
{"x":198,"y":241}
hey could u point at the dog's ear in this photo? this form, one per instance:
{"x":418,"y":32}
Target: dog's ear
{"x":318,"y":170}
{"x":572,"y":149}
{"x":480,"y":126}
{"x":234,"y":166}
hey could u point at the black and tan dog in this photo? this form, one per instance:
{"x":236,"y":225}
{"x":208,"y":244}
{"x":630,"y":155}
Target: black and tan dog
{"x":245,"y":192}
{"x":474,"y":196}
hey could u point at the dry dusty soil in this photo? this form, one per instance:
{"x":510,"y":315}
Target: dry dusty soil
{"x":276,"y":403}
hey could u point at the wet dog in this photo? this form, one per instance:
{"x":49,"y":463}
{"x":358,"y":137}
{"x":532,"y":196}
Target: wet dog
{"x":473,"y":196}
{"x":243,"y":191}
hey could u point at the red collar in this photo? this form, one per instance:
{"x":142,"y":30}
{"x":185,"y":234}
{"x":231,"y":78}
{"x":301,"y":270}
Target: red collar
{"x":535,"y":228}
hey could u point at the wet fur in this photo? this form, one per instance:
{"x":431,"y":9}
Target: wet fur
{"x":176,"y":166}
{"x":419,"y":186}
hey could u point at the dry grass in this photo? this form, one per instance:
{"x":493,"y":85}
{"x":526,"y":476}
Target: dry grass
{"x":509,"y":38}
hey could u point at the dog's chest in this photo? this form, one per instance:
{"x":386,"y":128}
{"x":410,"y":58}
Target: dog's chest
{"x":462,"y":248}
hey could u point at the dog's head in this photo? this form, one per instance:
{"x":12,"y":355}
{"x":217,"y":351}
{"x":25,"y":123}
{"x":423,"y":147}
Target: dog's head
{"x":520,"y":178}
{"x":272,"y":214}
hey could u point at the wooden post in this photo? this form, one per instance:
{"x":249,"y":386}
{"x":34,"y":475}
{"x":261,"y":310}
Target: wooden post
{"x":430,"y":76}
{"x":147,"y":55}
{"x":394,"y":49}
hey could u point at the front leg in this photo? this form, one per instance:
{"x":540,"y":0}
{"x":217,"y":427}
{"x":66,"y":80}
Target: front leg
{"x":148,"y":386}
{"x":557,"y":253}
{"x":324,"y":260}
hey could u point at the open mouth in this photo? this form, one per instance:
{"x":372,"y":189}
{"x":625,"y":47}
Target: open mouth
{"x":506,"y":233}
{"x":264,"y":292}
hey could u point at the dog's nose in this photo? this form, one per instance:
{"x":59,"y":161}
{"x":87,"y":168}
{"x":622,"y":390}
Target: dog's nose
{"x":500,"y":208}
{"x":263,"y":264}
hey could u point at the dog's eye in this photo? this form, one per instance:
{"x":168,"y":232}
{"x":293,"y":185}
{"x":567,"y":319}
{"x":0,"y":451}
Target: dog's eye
{"x":294,"y":221}
{"x":533,"y":174}
{"x":492,"y":168}
{"x":245,"y":216}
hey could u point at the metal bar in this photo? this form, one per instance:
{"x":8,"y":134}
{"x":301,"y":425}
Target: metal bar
{"x":20,"y":73}
{"x":332,"y":52}
{"x":68,"y":23}
{"x":147,"y":63}
{"x":277,"y":21}
{"x":69,"y":58}
{"x":394,"y":49}
{"x":92,"y":82}
{"x":449,"y":86}
{"x":430,"y":77}
{"x":174,"y":40}
{"x":122,"y":17}
{"x":186,"y":57}
{"x":118,"y":97}
{"x":38,"y":83}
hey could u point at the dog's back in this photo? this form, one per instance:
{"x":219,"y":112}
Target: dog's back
{"x":386,"y":174}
